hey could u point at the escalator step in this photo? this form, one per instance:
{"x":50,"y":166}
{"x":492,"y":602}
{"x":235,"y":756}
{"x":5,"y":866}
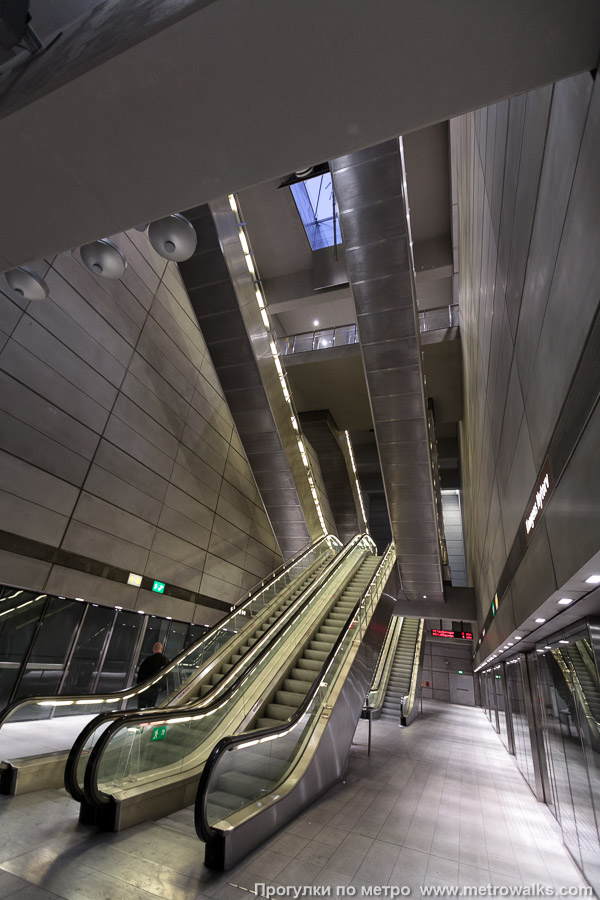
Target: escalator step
{"x":289,"y":698}
{"x":236,"y":657}
{"x":268,"y":723}
{"x":226,"y":667}
{"x":315,"y":655}
{"x":310,"y":664}
{"x":280,"y":711}
{"x":296,"y":685}
{"x":215,"y":679}
{"x":242,"y":785}
{"x":223,"y":799}
{"x":299,"y":674}
{"x":321,"y":646}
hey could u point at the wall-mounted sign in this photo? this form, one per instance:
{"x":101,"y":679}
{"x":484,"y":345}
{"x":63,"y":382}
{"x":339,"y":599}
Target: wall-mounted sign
{"x":159,"y":733}
{"x":459,"y":635}
{"x":134,"y":579}
{"x":539,"y":500}
{"x":158,"y":587}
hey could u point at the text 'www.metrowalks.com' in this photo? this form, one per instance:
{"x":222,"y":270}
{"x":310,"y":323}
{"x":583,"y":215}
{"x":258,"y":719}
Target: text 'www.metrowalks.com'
{"x":391,"y":892}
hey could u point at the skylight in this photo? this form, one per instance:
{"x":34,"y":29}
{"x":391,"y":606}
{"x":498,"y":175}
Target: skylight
{"x":318,"y":211}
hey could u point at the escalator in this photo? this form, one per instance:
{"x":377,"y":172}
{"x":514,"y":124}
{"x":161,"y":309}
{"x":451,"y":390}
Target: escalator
{"x":147,"y":765}
{"x":296,"y":744}
{"x":581,"y":676}
{"x":191,"y":675}
{"x":401,"y":672}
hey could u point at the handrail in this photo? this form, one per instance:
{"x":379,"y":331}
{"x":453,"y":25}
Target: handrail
{"x":123,"y":694}
{"x":93,"y":795}
{"x":203,"y":829}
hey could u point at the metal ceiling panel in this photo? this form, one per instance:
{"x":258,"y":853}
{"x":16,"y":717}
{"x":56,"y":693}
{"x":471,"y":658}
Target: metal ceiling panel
{"x":369,"y":192}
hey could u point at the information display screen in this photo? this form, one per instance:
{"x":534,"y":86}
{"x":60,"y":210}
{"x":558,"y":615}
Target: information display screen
{"x":460,"y":635}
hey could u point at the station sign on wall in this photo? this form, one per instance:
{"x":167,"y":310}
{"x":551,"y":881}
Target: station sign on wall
{"x":538,"y":500}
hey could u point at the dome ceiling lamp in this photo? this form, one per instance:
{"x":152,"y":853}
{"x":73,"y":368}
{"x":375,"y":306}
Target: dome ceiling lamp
{"x":173,"y":237}
{"x":103,"y":258}
{"x":28,"y":283}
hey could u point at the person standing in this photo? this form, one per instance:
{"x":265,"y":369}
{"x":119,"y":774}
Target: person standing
{"x":148,"y":668}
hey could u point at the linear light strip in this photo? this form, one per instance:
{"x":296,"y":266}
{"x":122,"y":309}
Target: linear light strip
{"x":260,"y":299}
{"x":358,"y":490}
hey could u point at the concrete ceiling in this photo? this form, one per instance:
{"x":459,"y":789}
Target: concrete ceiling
{"x":152,"y":107}
{"x":279,"y":241}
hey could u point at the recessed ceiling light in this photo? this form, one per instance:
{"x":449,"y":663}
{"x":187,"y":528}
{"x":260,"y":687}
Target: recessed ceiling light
{"x":563,"y":642}
{"x":540,"y":620}
{"x":593,"y":579}
{"x":510,"y":644}
{"x":547,"y":647}
{"x":540,"y":651}
{"x":316,"y":322}
{"x":517,"y":637}
{"x":564,"y":601}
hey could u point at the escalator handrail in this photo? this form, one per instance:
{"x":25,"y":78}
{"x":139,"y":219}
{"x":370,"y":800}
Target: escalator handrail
{"x":134,"y":690}
{"x":204,"y":831}
{"x":95,"y":797}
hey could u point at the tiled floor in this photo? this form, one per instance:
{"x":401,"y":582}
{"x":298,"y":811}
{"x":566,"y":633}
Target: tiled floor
{"x":440,"y":802}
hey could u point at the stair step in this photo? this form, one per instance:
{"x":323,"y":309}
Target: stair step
{"x":268,"y":723}
{"x":289,"y":698}
{"x":302,"y":674}
{"x":296,"y":686}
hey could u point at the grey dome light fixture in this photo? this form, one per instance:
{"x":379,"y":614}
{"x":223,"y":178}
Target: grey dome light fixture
{"x":27,"y":283}
{"x":173,"y":237}
{"x":104,"y":258}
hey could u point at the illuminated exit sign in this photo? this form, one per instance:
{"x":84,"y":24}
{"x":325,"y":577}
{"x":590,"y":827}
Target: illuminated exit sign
{"x":458,"y":635}
{"x":158,"y":587}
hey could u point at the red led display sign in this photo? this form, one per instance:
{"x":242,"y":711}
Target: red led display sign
{"x":460,"y":635}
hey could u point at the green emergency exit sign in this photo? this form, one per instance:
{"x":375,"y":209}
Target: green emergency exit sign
{"x":158,"y":587}
{"x":159,"y":733}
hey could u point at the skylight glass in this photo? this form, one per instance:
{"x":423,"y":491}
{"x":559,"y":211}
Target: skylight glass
{"x":318,"y":211}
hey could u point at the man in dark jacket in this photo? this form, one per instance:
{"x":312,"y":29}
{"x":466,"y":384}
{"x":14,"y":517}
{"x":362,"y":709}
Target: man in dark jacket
{"x":148,"y":668}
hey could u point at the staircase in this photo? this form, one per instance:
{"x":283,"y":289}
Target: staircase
{"x":262,"y":771}
{"x":401,"y":672}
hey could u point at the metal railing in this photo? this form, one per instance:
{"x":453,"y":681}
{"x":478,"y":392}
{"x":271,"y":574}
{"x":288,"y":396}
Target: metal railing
{"x":323,"y":339}
{"x":342,"y":335}
{"x":438,"y":318}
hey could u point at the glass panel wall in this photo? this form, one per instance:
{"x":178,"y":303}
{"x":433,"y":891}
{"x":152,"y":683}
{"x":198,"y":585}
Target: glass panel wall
{"x":83,"y":669}
{"x":569,"y":700}
{"x":20,"y":613}
{"x":54,"y":645}
{"x":518,"y":709}
{"x":501,"y":705}
{"x":53,"y":641}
